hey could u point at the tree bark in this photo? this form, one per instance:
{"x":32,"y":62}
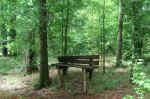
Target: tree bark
{"x":66,"y":30}
{"x":134,"y":37}
{"x":103,"y":39}
{"x":13,"y":34}
{"x":4,"y":42}
{"x":66,"y":25}
{"x":31,"y":64}
{"x":4,"y":49}
{"x":119,"y":37}
{"x":44,"y":73}
{"x":13,"y":30}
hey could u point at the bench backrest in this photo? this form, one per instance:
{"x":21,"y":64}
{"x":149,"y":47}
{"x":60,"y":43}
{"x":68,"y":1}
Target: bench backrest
{"x":90,"y":59}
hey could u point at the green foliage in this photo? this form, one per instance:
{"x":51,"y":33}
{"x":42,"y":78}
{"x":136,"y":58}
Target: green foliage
{"x":128,"y":97}
{"x":109,"y":81}
{"x":85,"y":22}
{"x":69,"y":88}
{"x":67,"y":85}
{"x":10,"y":65}
{"x":53,"y":87}
{"x":141,"y":79}
{"x":35,"y":83}
{"x":74,"y":92}
{"x":12,"y":81}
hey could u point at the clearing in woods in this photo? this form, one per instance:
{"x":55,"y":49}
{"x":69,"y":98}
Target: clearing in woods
{"x":113,"y":85}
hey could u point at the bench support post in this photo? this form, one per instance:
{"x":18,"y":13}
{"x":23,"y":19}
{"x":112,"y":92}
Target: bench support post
{"x":60,"y":77}
{"x":90,"y":74}
{"x":84,"y":81}
{"x":65,"y":70}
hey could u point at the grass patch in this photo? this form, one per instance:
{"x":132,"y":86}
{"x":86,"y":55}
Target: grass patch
{"x":10,"y":65}
{"x":5,"y":65}
{"x":113,"y":79}
{"x":109,"y":81}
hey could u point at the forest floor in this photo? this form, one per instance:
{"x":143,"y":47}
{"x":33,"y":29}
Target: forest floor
{"x":113,"y":85}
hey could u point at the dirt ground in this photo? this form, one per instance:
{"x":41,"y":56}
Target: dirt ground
{"x":16,"y":86}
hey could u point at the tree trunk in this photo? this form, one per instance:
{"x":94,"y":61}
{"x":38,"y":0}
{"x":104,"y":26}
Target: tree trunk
{"x":4,"y":49}
{"x":134,"y":37}
{"x":66,"y":30}
{"x":119,"y":37}
{"x":13,"y":36}
{"x":31,"y":63}
{"x":44,"y":73}
{"x":4,"y":42}
{"x":103,"y":39}
{"x":12,"y":33}
{"x":62,"y":30}
{"x":66,"y":35}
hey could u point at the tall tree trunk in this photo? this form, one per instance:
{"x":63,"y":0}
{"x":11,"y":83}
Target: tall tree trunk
{"x":4,"y":42}
{"x":13,"y":22}
{"x":31,"y":64}
{"x":103,"y":38}
{"x":66,"y":30}
{"x":13,"y":36}
{"x":119,"y":37}
{"x":134,"y":37}
{"x":62,"y":37}
{"x":62,"y":31}
{"x":66,"y":35}
{"x":44,"y":73}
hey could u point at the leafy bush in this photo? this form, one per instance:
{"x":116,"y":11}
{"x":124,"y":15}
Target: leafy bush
{"x":128,"y":97}
{"x":141,"y":78}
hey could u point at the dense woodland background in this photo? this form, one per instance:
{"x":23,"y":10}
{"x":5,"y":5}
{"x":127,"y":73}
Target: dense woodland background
{"x":33,"y":33}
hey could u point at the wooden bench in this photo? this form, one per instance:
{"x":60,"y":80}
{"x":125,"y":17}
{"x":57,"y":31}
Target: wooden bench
{"x":86,"y":63}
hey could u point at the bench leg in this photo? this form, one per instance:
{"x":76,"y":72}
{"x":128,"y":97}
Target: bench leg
{"x":65,"y":69}
{"x":60,"y":78}
{"x":90,"y":74}
{"x":84,"y":81}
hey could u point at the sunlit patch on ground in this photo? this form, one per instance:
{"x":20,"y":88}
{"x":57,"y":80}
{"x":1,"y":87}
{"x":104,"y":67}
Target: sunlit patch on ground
{"x":10,"y":83}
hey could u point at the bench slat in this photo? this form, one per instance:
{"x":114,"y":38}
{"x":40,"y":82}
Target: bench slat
{"x":80,"y":57}
{"x":79,"y":61}
{"x":75,"y":65}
